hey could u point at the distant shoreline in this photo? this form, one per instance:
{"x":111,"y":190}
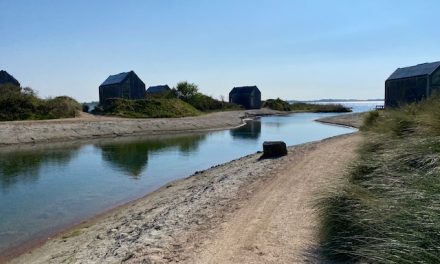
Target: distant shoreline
{"x":91,"y":127}
{"x":336,"y":100}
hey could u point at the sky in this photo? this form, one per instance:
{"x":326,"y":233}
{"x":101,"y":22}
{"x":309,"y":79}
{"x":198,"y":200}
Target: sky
{"x":301,"y":50}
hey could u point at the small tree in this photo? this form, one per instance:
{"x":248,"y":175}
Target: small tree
{"x":85,"y":108}
{"x":186,"y":90}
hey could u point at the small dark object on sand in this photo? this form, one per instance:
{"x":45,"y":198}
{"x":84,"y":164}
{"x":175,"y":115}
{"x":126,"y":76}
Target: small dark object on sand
{"x":274,"y":149}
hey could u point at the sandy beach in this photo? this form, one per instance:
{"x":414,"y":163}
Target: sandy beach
{"x":88,"y":126}
{"x":350,"y":120}
{"x":264,"y":208}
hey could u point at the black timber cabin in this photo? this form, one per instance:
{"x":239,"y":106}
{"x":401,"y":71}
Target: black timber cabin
{"x":6,"y":78}
{"x":412,"y":84}
{"x":126,"y":85}
{"x":247,"y":96}
{"x":158,"y":90}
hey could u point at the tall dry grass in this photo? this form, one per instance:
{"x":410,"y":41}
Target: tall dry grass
{"x":388,"y":210}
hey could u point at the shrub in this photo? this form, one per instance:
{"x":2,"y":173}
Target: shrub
{"x":207,"y":103}
{"x":149,"y":108}
{"x":85,"y":108}
{"x":319,"y":108}
{"x":18,"y":103}
{"x":186,"y":90}
{"x":61,"y":107}
{"x":277,"y":104}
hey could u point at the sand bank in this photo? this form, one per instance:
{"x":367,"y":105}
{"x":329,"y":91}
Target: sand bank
{"x":89,"y":126}
{"x":350,"y":120}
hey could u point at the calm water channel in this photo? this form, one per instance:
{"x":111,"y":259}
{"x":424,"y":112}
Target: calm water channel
{"x":46,"y":188}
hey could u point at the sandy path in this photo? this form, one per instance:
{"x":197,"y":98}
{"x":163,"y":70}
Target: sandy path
{"x":243,"y":211}
{"x":278,"y":223}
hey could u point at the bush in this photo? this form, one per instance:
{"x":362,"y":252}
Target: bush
{"x":207,"y":103}
{"x":148,"y":108}
{"x":277,"y":104}
{"x":186,"y":90}
{"x":281,"y":105}
{"x":85,"y":108}
{"x":18,"y":103}
{"x":319,"y":108}
{"x":189,"y":93}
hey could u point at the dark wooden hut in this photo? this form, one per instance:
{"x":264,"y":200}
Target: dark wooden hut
{"x":247,"y":96}
{"x":125,"y":85}
{"x":412,"y":84}
{"x":5,"y":78}
{"x":158,"y":89}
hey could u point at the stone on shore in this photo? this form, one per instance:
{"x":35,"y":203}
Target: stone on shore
{"x":274,"y":149}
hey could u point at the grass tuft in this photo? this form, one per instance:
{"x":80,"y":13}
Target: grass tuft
{"x":388,"y":210}
{"x":149,"y":108}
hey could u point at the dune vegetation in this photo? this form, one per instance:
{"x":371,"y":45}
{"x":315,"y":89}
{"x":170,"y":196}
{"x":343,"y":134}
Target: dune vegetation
{"x":151,"y":108}
{"x":388,"y":209}
{"x":183,"y":100}
{"x":18,"y":103}
{"x":281,"y":105}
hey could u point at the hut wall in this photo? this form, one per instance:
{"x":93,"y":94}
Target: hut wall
{"x":241,"y":99}
{"x":402,"y":91}
{"x":435,"y":83}
{"x":109,"y":91}
{"x":255,"y":100}
{"x":136,"y":88}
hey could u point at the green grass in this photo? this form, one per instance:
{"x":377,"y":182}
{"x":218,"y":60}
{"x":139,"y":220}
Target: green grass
{"x":277,"y":104}
{"x":319,"y":108}
{"x":281,"y":105}
{"x":388,"y":210}
{"x":208,"y":104}
{"x":18,"y":103}
{"x":152,"y":108}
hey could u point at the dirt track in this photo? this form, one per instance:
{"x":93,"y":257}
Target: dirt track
{"x":278,"y":223}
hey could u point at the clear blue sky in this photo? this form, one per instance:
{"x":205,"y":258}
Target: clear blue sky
{"x":291,"y":49}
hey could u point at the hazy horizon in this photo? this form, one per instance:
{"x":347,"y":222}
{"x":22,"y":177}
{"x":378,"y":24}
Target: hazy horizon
{"x":295,"y":50}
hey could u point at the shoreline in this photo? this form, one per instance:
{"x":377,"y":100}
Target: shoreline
{"x":104,"y":224}
{"x":353,"y":120}
{"x":90,"y":127}
{"x":18,"y":253}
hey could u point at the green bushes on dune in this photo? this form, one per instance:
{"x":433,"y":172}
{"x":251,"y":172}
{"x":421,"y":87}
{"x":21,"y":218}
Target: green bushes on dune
{"x":18,"y":103}
{"x":281,"y":105}
{"x":183,"y":100}
{"x":388,"y":211}
{"x":149,"y":108}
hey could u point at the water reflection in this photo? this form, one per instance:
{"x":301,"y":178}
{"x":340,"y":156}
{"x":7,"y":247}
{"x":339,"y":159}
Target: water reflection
{"x":250,"y":131}
{"x":24,"y":165}
{"x":131,"y":157}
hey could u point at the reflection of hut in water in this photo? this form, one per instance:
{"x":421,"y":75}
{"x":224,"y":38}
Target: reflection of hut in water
{"x":251,"y":130}
{"x":131,"y":156}
{"x":24,"y":165}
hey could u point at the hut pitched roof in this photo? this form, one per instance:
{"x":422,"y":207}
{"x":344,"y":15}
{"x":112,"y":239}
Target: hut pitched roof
{"x":116,"y":79}
{"x":244,"y":89}
{"x":417,"y":70}
{"x":158,"y":88}
{"x":5,"y":77}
